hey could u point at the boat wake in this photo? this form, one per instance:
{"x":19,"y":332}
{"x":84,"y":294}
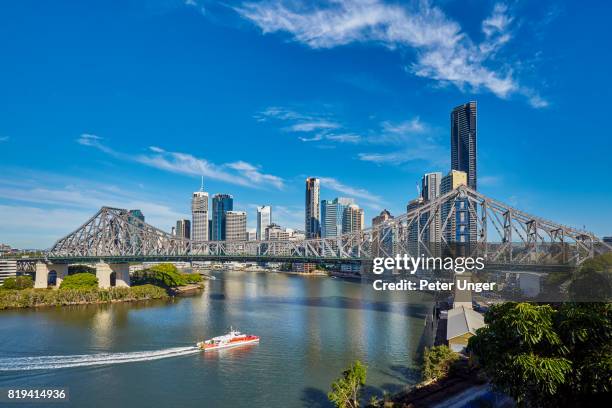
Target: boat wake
{"x":82,"y":360}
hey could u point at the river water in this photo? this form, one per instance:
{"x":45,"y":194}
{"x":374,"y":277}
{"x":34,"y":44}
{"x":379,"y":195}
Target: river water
{"x":142,"y":354}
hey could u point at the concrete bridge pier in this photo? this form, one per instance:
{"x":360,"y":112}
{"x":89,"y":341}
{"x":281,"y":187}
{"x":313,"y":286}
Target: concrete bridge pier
{"x":112,"y":274}
{"x":49,"y":273}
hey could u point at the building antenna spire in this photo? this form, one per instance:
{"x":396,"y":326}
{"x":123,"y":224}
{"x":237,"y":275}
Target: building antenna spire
{"x":202,"y":184}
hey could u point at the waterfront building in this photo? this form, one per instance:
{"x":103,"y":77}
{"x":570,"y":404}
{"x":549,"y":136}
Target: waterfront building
{"x":462,"y":323}
{"x":332,"y":216}
{"x":353,"y":219}
{"x":458,"y":228}
{"x":264,"y":218}
{"x":463,"y":141}
{"x":235,"y":226}
{"x":8,"y":269}
{"x":252,"y":234}
{"x":199,"y":214}
{"x":382,"y":237}
{"x":183,"y":229}
{"x":221,"y":203}
{"x":312,"y":211}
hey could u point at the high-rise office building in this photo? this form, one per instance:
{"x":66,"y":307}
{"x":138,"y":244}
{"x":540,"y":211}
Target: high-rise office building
{"x":353,"y":220}
{"x":221,"y":203}
{"x":235,"y":226}
{"x":312,"y":213}
{"x":183,"y":229}
{"x":463,"y":141}
{"x":264,"y":218}
{"x":332,"y":216}
{"x":458,"y":226}
{"x":413,"y":229}
{"x":430,"y":191}
{"x":199,"y":214}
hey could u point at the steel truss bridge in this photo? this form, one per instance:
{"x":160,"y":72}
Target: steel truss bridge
{"x":499,"y":233}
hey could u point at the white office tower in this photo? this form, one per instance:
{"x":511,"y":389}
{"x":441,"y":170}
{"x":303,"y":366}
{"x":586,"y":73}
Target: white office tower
{"x":235,"y":226}
{"x":264,"y":218}
{"x":199,"y":214}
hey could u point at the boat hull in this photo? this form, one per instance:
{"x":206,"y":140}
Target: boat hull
{"x":204,"y":347}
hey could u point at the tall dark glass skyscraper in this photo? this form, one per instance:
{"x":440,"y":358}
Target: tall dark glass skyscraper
{"x":463,"y":141}
{"x":221,"y":203}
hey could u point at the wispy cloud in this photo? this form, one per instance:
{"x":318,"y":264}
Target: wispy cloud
{"x":442,"y":51}
{"x":371,"y":200}
{"x":240,"y":173}
{"x":4,"y":138}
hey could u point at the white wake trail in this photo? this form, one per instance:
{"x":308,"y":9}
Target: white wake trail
{"x":81,"y":360}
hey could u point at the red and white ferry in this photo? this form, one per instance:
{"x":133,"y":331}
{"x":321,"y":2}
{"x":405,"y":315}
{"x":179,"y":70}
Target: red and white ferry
{"x":232,"y":339}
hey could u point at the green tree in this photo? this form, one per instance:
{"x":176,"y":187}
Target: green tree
{"x":437,"y":362}
{"x":346,"y":389}
{"x":18,"y":282}
{"x":74,"y":269}
{"x":547,"y":357}
{"x":79,"y":281}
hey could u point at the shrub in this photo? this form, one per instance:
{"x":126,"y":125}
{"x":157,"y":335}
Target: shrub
{"x":437,"y":362}
{"x":19,"y":282}
{"x":79,"y":281}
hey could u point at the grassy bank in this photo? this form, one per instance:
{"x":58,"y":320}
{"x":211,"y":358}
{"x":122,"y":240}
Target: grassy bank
{"x":10,"y":299}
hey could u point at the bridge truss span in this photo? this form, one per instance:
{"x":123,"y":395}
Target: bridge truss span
{"x":462,"y":222}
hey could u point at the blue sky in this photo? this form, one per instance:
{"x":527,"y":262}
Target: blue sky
{"x":126,"y":103}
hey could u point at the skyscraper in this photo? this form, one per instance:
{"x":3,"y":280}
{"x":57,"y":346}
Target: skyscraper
{"x":332,"y":216}
{"x":312,"y":214}
{"x":221,"y":203}
{"x":264,"y":218}
{"x":199,"y":214}
{"x":183,"y":229}
{"x":430,"y":191}
{"x":458,"y":225}
{"x":235,"y":226}
{"x":353,"y":219}
{"x":463,"y":141}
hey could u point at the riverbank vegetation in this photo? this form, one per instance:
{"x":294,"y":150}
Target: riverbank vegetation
{"x":164,"y":275}
{"x":82,"y":280}
{"x":18,"y":283}
{"x":62,"y":297}
{"x":437,"y":362}
{"x":345,"y":391}
{"x":80,"y":286}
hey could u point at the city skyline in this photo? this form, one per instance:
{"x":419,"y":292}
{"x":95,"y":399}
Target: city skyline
{"x":367,"y":120}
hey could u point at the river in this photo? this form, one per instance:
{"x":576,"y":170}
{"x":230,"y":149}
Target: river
{"x":142,"y":355}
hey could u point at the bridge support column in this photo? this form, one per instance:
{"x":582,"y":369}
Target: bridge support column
{"x":41,"y":278}
{"x":41,"y":275}
{"x":104,"y":272}
{"x":122,"y":273}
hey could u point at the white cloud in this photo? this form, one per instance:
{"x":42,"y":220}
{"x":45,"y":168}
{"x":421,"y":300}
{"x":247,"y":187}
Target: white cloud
{"x":4,"y":138}
{"x":442,"y":51}
{"x":371,"y":200}
{"x":310,"y":126}
{"x":239,"y":173}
